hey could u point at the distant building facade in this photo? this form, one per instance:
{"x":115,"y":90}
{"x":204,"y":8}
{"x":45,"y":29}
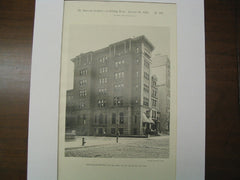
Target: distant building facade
{"x":113,"y":90}
{"x":164,"y":94}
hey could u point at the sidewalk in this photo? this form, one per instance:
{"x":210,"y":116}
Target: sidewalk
{"x":100,"y":141}
{"x":90,"y":141}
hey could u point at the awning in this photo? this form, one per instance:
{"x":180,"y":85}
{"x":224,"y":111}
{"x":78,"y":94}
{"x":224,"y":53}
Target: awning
{"x":146,"y":120}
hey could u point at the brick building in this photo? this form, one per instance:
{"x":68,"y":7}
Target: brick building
{"x":113,"y":90}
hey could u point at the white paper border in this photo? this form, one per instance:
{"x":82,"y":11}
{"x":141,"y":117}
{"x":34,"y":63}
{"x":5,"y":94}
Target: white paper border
{"x":45,"y":74}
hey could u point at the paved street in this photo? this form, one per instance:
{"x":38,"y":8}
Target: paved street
{"x":106,"y":147}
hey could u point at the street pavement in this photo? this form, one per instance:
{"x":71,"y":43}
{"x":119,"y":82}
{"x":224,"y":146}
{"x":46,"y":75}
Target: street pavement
{"x":107,"y":147}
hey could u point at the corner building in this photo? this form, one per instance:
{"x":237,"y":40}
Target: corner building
{"x":112,"y":89}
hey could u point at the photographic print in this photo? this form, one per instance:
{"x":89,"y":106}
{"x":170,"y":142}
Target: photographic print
{"x":118,"y":86}
{"x":119,"y":103}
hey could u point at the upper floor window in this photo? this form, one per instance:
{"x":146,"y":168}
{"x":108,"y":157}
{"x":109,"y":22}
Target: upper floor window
{"x":83,"y":82}
{"x":145,"y":101}
{"x":102,"y":91}
{"x":154,"y":93}
{"x":137,"y":50}
{"x":146,"y":88}
{"x":83,"y":72}
{"x":146,"y":75}
{"x":146,"y":64}
{"x":118,"y":87}
{"x":103,"y":70}
{"x":82,"y":93}
{"x":119,"y":63}
{"x":118,"y":101}
{"x":101,"y":103}
{"x":103,"y":80}
{"x":119,"y":75}
{"x":103,"y":59}
{"x":154,"y":102}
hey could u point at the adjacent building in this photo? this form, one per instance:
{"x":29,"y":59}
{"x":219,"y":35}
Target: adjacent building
{"x":163,"y":87}
{"x":114,"y":91}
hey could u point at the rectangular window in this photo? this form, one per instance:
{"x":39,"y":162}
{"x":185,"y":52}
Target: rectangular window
{"x":83,"y":82}
{"x":101,"y":103}
{"x":103,"y":80}
{"x":103,"y":70}
{"x":146,"y":64}
{"x":83,"y":93}
{"x":118,"y":101}
{"x":83,"y":72}
{"x":120,"y":130}
{"x":146,"y":88}
{"x":119,"y":75}
{"x":113,"y":131}
{"x":145,"y":101}
{"x":121,"y":117}
{"x":114,"y":118}
{"x":146,"y":75}
{"x":154,"y":102}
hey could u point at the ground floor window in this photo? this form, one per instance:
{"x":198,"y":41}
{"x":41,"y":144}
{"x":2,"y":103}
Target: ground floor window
{"x":113,"y":131}
{"x":100,"y":131}
{"x":135,"y":131}
{"x":120,"y":130}
{"x":121,"y":118}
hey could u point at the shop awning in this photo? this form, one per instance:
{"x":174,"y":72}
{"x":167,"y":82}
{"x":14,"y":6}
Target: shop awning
{"x":146,"y":120}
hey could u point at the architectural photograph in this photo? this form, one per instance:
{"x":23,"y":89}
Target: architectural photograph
{"x":119,"y":103}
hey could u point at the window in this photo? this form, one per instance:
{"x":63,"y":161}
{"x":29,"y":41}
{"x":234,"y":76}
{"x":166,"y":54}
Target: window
{"x":95,"y":121}
{"x":120,"y":130}
{"x":81,"y":105}
{"x":113,"y":118}
{"x":154,"y":114}
{"x":103,"y":59}
{"x":146,"y":75}
{"x":83,"y":72}
{"x":154,"y":83}
{"x":137,"y":73}
{"x":135,"y":131}
{"x":113,"y":131}
{"x":154,"y":93}
{"x":83,"y":82}
{"x":146,"y":64}
{"x":121,"y":118}
{"x":145,"y":101}
{"x":119,"y":75}
{"x":137,"y":50}
{"x":118,"y":87}
{"x":101,"y":103}
{"x":118,"y":101}
{"x":103,"y":80}
{"x":103,"y":70}
{"x":83,"y":93}
{"x":102,"y":91}
{"x":146,"y":88}
{"x":100,"y":119}
{"x":154,"y":102}
{"x":119,"y":63}
{"x":105,"y":119}
{"x":135,"y":120}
